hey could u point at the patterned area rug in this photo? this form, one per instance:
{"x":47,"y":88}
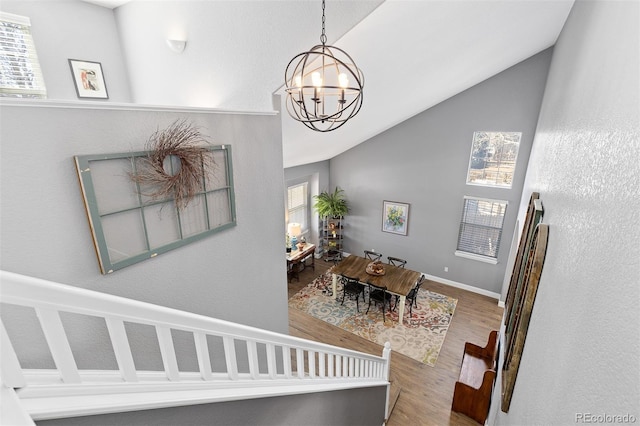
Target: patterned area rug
{"x":419,"y":337}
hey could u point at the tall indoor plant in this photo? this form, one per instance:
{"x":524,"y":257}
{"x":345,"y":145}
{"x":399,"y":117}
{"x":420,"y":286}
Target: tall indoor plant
{"x":331,"y":204}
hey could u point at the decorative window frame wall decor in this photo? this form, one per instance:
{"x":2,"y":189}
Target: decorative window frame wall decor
{"x":129,"y":226}
{"x":525,"y":279}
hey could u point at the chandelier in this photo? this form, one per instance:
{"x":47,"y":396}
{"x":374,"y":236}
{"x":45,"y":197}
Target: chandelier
{"x":323,"y":85}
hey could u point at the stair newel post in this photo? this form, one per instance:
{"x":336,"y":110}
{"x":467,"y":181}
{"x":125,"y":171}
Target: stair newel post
{"x":386,"y":355}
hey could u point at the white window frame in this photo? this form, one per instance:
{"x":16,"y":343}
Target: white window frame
{"x":304,"y":207}
{"x":496,"y":151}
{"x":19,"y":65}
{"x":464,"y":223}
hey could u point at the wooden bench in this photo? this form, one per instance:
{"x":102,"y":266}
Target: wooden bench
{"x":472,"y":394}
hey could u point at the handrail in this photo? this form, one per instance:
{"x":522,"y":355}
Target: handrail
{"x":290,"y":361}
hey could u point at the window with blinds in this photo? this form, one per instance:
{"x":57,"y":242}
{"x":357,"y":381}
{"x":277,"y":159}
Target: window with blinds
{"x":20,"y":76}
{"x":297,"y":205}
{"x":481,"y":228}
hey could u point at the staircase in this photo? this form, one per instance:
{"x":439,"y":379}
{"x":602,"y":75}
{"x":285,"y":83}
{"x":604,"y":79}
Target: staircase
{"x":254,"y":363}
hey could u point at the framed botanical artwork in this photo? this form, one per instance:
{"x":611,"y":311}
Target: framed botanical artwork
{"x":395,"y":217}
{"x":88,"y":79}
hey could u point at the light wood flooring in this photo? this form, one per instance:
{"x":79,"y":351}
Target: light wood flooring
{"x":425,"y":392}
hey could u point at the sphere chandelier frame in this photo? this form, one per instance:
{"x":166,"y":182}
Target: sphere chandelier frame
{"x":323,"y":85}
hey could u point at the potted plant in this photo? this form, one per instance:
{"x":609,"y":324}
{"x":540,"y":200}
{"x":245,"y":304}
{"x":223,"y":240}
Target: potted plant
{"x":331,"y":204}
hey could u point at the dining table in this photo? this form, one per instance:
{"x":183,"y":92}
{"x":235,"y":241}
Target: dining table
{"x":398,"y":281}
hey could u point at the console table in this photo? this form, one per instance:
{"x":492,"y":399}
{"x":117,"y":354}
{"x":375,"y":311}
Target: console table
{"x":299,"y":257}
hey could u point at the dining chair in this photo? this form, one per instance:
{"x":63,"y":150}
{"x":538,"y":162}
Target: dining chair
{"x":372,"y":255}
{"x":396,"y":261}
{"x":412,"y":297}
{"x":379,"y":295}
{"x":353,"y":288}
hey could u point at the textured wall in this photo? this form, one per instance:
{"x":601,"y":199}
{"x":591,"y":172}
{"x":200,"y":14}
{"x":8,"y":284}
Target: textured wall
{"x":238,"y":274}
{"x":424,"y":161}
{"x":583,"y":345}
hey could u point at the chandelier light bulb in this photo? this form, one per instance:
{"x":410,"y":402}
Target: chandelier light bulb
{"x":316,"y":79}
{"x":298,"y":81}
{"x":343,"y":80}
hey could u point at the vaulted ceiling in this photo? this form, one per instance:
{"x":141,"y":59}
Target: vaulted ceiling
{"x":414,"y":54}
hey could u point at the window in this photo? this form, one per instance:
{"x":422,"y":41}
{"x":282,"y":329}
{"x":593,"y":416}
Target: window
{"x":493,"y":158}
{"x":481,"y":229}
{"x":298,"y":205}
{"x":20,"y":74}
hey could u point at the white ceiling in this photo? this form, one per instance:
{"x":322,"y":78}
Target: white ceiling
{"x":414,"y":54}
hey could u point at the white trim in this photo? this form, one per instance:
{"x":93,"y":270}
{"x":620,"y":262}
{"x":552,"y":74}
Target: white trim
{"x":464,"y":286}
{"x":53,"y":405}
{"x":489,"y":200}
{"x":479,"y":258}
{"x":122,"y":106}
{"x":13,"y":413}
{"x":16,"y":19}
{"x":68,"y":392}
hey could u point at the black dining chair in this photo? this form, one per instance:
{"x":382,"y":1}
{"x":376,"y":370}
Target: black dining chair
{"x":396,"y":261}
{"x":353,"y":288}
{"x":412,"y":297}
{"x":372,"y":255}
{"x":379,"y":295}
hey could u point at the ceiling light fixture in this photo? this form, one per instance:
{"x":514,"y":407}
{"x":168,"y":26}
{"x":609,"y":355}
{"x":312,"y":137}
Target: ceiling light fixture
{"x":323,"y":85}
{"x":176,"y":45}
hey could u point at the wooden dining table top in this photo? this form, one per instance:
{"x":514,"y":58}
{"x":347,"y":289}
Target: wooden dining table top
{"x":398,"y":280}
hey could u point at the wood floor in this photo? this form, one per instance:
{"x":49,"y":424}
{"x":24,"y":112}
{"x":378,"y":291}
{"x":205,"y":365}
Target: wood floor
{"x":426,"y":392}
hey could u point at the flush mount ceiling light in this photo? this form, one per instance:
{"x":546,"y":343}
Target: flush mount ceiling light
{"x":176,"y":45}
{"x":323,"y":85}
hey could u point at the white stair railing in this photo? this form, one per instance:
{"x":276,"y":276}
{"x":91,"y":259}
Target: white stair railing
{"x":293,"y":365}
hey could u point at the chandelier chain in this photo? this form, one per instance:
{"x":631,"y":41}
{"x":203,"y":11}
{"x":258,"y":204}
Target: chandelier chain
{"x":323,"y":36}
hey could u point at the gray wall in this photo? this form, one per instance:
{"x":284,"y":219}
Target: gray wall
{"x":583,"y":343}
{"x":341,"y":408}
{"x":45,"y":232}
{"x":423,"y":161}
{"x":71,"y":29}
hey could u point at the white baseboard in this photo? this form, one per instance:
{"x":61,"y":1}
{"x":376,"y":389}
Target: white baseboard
{"x":458,"y":285}
{"x":466,"y":287}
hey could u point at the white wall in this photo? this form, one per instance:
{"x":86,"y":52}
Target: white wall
{"x":583,"y":344}
{"x":71,"y":29}
{"x":220,"y":33}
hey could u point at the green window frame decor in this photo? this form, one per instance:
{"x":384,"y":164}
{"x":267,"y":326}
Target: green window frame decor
{"x":130,"y":223}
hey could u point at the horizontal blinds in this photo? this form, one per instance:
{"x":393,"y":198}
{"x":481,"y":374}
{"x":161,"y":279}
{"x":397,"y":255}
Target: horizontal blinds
{"x":297,"y":196}
{"x":297,"y":204}
{"x":481,"y":226}
{"x":20,"y":74}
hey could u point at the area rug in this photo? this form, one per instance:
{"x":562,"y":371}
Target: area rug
{"x":419,"y":337}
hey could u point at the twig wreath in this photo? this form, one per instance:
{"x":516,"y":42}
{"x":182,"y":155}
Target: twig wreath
{"x":181,"y":141}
